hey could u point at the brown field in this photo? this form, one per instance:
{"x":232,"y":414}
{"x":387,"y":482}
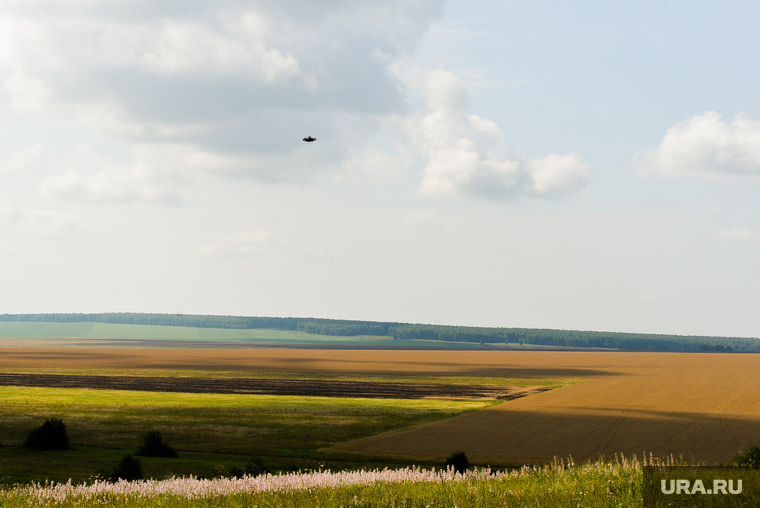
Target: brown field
{"x":293,"y":387}
{"x":706,"y":406}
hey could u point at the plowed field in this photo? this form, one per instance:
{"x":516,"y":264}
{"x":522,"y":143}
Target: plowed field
{"x":702,"y":406}
{"x":297,"y":387}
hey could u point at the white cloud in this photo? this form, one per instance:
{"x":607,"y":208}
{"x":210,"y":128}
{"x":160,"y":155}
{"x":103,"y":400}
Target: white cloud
{"x":187,"y":47}
{"x":244,"y":243}
{"x":238,"y":81}
{"x":741,"y":235}
{"x":467,"y":154}
{"x":705,"y":146}
{"x":557,"y":174}
{"x":377,"y":165}
{"x":32,"y":158}
{"x":420,"y":220}
{"x":108,"y":185}
{"x":45,"y":223}
{"x":232,"y":87}
{"x":156,"y":173}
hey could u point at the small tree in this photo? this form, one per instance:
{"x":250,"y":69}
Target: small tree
{"x":51,"y":435}
{"x":749,"y":457}
{"x":459,"y":462}
{"x":154,"y":446}
{"x":129,"y":469}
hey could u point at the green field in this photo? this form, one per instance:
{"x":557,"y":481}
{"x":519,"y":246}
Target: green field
{"x":207,"y":429}
{"x":104,"y":334}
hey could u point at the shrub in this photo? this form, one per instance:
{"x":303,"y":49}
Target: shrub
{"x":129,"y":469}
{"x":256,"y":467}
{"x":155,"y":446}
{"x":749,"y":457}
{"x":221,"y":471}
{"x":459,"y":462}
{"x":51,"y":435}
{"x":235,"y":472}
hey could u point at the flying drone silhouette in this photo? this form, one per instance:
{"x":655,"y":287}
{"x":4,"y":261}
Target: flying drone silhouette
{"x":309,"y":139}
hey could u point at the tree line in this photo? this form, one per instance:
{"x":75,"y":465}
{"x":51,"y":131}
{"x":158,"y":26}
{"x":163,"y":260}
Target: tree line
{"x":406,"y":331}
{"x":575,"y":339}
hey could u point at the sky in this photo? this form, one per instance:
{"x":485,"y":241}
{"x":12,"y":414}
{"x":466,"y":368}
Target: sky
{"x":549,"y":164}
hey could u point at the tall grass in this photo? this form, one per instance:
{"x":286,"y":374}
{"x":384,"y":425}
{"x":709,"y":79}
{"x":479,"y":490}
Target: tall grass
{"x":599,"y":484}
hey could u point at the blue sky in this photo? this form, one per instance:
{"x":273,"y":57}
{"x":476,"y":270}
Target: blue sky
{"x":579,"y":165}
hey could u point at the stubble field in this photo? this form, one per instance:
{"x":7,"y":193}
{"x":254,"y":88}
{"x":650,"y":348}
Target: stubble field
{"x":705,"y":407}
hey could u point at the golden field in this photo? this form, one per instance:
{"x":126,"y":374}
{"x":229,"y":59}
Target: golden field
{"x":705,"y":406}
{"x":701,"y":406}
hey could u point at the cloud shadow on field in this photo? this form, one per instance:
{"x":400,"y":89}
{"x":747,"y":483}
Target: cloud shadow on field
{"x":499,"y":436}
{"x":302,"y":361}
{"x":435,"y":369}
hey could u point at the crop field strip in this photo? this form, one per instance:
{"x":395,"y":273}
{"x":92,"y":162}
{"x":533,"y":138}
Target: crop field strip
{"x":352,"y":343}
{"x":491,"y":382}
{"x":207,"y":429}
{"x":701,"y":404}
{"x":297,"y":387}
{"x":406,"y":364}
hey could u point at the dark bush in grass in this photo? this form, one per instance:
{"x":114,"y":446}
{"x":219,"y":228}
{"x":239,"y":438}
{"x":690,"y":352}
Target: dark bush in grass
{"x":129,"y":469}
{"x":51,"y":435}
{"x":749,"y":457}
{"x":155,"y":446}
{"x":235,"y":472}
{"x":459,"y":462}
{"x":256,"y":467}
{"x":221,"y":471}
{"x":253,"y":467}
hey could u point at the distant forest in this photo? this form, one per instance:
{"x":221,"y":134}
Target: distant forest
{"x":406,"y":331}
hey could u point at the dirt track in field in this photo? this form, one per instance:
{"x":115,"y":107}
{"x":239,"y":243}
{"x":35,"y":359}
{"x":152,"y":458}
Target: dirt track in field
{"x":301,"y":387}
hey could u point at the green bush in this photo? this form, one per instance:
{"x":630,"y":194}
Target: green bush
{"x":154,"y":446}
{"x":749,"y":457}
{"x":459,"y":462}
{"x":129,"y":469}
{"x":51,"y":435}
{"x":255,"y":467}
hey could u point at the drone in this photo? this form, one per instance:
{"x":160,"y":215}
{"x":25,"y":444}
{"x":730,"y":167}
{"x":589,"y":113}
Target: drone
{"x":309,"y":139}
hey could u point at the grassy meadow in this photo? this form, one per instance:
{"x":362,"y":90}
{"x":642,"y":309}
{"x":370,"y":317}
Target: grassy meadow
{"x":208,"y":430}
{"x":601,"y":484}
